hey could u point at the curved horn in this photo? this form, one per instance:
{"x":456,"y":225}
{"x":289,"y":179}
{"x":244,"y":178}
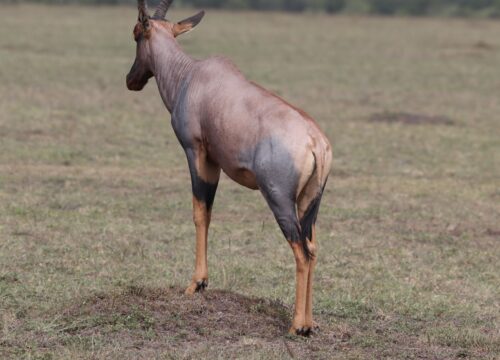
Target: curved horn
{"x":162,"y":8}
{"x":143,"y":10}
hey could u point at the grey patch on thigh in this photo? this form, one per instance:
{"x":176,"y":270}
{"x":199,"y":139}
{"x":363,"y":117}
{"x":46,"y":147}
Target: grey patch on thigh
{"x":277,"y":178}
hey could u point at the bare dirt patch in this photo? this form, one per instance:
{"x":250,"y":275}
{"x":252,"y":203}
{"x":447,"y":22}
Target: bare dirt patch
{"x":166,"y":319}
{"x":170,"y":312}
{"x":482,"y":45}
{"x":410,"y":118}
{"x":493,"y":232}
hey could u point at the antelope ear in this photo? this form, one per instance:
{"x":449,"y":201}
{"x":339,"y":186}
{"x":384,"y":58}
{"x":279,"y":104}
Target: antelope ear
{"x":188,"y":24}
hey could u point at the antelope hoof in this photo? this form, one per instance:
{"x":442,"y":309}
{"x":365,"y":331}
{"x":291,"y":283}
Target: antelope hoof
{"x":303,"y":331}
{"x":197,"y":286}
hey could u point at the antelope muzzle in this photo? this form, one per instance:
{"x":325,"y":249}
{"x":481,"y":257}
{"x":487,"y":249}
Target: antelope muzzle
{"x":137,"y":77}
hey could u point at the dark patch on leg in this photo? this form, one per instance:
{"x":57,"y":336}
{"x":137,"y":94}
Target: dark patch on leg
{"x":310,"y":215}
{"x":202,"y":190}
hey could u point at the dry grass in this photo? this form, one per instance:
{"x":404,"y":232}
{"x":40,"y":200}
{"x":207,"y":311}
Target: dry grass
{"x":96,"y":239}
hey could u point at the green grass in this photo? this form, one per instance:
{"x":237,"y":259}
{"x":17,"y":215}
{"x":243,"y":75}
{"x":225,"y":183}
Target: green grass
{"x":95,"y":196}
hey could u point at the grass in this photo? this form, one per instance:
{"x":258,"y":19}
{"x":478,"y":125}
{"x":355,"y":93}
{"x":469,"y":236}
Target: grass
{"x":96,"y":237}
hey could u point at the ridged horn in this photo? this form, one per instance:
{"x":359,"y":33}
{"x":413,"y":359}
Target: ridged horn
{"x":143,"y":10}
{"x":161,"y":9}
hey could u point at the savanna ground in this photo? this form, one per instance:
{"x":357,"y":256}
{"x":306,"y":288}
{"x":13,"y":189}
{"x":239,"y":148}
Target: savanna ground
{"x":96,"y":236}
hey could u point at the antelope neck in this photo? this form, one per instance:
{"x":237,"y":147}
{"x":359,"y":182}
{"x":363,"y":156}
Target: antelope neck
{"x":171,"y":68}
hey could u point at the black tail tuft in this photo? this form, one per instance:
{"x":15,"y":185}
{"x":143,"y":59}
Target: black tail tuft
{"x":307,"y":222}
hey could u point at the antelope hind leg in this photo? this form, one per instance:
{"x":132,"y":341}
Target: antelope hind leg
{"x":313,"y":248}
{"x":299,"y":326}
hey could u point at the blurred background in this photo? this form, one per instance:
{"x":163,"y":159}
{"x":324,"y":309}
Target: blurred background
{"x":96,"y":233}
{"x":485,"y":8}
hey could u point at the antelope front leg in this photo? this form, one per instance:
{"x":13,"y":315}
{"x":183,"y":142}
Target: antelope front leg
{"x":204,"y":180}
{"x":201,"y":218}
{"x":299,"y":326}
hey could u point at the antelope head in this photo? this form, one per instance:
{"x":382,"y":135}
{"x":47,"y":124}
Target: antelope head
{"x":149,"y":29}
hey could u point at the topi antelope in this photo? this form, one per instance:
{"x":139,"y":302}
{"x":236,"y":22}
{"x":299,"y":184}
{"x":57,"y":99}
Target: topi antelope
{"x":224,"y":121}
